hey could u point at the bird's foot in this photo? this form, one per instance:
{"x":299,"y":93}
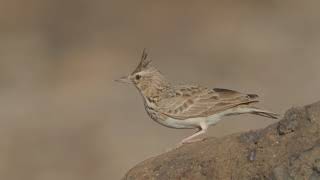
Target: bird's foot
{"x":193,"y":140}
{"x":190,"y":141}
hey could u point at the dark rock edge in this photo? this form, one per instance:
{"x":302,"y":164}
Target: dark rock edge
{"x":288,"y":149}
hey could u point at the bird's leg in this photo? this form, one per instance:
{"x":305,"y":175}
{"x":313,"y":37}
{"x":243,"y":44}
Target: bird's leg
{"x":203,"y":129}
{"x":190,"y":139}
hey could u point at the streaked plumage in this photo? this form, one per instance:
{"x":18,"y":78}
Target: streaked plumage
{"x":188,"y":106}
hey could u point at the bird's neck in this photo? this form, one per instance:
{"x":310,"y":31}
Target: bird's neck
{"x":156,"y":89}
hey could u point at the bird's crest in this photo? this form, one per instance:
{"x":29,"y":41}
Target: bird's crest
{"x":144,"y":62}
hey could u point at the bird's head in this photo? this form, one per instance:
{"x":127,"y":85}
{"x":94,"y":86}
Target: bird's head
{"x":145,"y":75}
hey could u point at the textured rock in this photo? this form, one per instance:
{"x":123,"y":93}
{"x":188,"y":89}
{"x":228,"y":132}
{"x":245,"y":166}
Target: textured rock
{"x":287,"y":150}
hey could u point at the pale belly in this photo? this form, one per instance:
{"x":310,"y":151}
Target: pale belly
{"x":195,"y":122}
{"x":191,"y":122}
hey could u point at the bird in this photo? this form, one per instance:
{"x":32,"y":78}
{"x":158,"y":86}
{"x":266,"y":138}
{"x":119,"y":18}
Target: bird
{"x":188,"y":106}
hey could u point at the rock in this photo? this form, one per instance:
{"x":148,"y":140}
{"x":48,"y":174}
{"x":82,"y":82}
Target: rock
{"x":316,"y":165}
{"x":287,"y":150}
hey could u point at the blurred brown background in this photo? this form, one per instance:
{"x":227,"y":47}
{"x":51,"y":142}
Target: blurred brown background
{"x":63,"y":117}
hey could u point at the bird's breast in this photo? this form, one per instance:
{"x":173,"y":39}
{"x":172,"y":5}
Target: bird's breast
{"x":153,"y":114}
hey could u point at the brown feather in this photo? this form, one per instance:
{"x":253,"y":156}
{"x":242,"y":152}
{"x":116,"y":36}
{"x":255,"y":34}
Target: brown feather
{"x":202,"y":103}
{"x":144,"y":62}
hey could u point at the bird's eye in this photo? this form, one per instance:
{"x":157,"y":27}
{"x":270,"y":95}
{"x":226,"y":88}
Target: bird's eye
{"x":138,"y":77}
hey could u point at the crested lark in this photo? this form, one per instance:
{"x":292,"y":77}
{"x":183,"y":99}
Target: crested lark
{"x":188,"y":106}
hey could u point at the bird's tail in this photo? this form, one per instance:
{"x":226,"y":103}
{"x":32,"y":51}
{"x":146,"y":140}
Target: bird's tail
{"x":264,"y":113}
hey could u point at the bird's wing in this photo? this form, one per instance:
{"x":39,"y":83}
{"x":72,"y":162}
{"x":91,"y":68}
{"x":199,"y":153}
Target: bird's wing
{"x":193,"y":102}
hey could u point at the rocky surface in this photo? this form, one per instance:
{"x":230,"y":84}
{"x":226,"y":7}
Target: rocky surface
{"x":287,"y":150}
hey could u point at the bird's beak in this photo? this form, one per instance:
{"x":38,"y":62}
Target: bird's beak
{"x":124,"y":79}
